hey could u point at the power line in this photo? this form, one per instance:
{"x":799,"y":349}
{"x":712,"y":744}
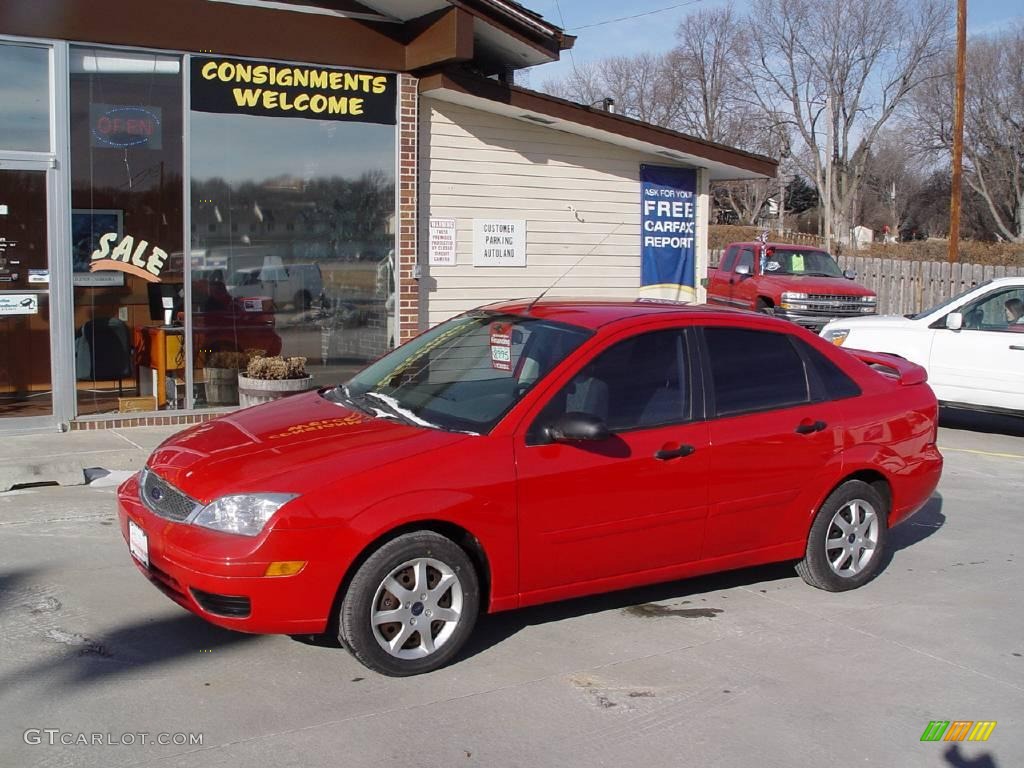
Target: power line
{"x":572,"y":59}
{"x":628,"y":18}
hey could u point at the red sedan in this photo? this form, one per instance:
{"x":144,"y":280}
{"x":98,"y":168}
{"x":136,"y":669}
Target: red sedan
{"x":525,"y":453}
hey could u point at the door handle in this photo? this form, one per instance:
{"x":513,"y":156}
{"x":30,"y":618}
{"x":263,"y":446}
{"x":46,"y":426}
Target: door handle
{"x":674,"y":453}
{"x":807,"y":427}
{"x":1017,"y":347}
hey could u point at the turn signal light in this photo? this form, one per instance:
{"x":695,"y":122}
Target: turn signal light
{"x":284,"y":568}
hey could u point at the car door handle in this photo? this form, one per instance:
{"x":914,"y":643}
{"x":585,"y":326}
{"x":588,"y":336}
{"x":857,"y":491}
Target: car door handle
{"x":807,"y":427}
{"x":674,"y":453}
{"x":1017,"y":347}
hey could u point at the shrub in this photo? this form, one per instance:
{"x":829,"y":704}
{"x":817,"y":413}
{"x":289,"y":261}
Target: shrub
{"x":229,"y":359}
{"x":278,"y":367}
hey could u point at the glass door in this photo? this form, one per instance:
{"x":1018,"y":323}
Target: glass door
{"x":26,"y":370}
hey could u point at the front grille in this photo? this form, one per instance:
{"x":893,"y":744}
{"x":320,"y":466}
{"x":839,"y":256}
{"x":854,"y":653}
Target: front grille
{"x":163,"y":499}
{"x":236,"y":607}
{"x":832,"y":305}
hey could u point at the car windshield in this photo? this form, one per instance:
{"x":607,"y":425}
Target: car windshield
{"x":794,"y":262}
{"x":947,"y":302}
{"x":465,"y":374}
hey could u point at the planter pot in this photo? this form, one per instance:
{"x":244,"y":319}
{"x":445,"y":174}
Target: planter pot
{"x":221,"y":386}
{"x":256,"y":391}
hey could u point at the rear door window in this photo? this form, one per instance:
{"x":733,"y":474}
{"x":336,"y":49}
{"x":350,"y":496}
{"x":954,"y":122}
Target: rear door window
{"x":754,"y":371}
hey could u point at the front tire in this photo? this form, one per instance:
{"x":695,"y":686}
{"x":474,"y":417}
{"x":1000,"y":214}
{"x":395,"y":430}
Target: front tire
{"x":411,"y":606}
{"x":847,"y":540}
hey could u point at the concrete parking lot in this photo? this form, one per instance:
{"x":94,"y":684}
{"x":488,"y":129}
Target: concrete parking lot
{"x":750,"y":668}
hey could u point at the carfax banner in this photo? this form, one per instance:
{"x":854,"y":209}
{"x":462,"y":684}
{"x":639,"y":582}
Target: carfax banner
{"x":668,"y":214}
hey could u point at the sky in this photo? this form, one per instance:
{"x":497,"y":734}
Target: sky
{"x":656,"y":32}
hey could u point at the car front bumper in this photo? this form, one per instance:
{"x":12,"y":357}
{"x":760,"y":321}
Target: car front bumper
{"x":813,"y":321}
{"x":226,"y":585}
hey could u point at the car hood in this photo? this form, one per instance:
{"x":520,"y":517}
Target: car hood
{"x":873,"y":321}
{"x":292,"y":445}
{"x":812,"y":284}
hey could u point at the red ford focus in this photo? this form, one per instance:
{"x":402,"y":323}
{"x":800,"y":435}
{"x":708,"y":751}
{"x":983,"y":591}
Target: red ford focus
{"x":523,"y":453}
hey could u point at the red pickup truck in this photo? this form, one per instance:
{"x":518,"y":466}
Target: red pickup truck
{"x":796,"y":282}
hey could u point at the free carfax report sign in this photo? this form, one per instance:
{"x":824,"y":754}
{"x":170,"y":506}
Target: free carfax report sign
{"x":668,"y":214}
{"x":289,"y":90}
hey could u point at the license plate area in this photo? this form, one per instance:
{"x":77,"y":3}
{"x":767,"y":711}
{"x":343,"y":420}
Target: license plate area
{"x":138,"y":543}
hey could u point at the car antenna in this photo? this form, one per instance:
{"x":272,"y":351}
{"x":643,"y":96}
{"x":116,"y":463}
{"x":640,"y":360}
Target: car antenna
{"x":575,"y":264}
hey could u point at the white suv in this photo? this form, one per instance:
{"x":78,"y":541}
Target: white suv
{"x":972,"y":345}
{"x":296,"y":284}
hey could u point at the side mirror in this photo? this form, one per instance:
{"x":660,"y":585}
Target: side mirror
{"x":575,"y":426}
{"x":850,"y":274}
{"x":743,"y":270}
{"x":954,"y":321}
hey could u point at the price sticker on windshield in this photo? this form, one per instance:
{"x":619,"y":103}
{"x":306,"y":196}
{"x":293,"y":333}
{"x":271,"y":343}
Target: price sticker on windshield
{"x":501,"y":346}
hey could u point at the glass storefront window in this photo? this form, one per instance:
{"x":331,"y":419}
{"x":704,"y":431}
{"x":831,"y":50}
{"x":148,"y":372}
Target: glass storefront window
{"x":292,"y":221}
{"x":127,"y":230}
{"x":25,"y":95}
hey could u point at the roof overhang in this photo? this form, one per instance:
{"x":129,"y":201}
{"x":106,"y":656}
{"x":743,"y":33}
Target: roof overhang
{"x":723,"y":163}
{"x":506,"y":34}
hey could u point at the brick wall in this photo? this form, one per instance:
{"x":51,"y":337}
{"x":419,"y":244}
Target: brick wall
{"x":408,"y":305}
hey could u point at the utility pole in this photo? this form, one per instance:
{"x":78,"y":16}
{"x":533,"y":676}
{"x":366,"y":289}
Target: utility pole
{"x":958,"y":130}
{"x":892,"y":208}
{"x":828,"y":172}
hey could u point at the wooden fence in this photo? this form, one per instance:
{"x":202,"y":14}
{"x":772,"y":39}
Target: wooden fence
{"x":904,"y":287}
{"x":913,"y":286}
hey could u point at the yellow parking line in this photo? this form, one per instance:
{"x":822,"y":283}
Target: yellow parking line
{"x":984,"y":453}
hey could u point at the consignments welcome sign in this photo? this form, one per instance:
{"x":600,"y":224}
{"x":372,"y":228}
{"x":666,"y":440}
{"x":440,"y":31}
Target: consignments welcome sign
{"x":290,"y":90}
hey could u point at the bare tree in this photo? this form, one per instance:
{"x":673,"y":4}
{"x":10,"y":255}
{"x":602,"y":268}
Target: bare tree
{"x":644,"y":86}
{"x":993,"y":125}
{"x":863,"y":58}
{"x":709,"y":59}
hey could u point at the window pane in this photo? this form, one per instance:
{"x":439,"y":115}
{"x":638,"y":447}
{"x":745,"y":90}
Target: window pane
{"x":837,"y":384}
{"x":746,"y":259}
{"x":25,"y":95}
{"x":754,"y":370}
{"x":293,"y":234}
{"x":635,"y":384}
{"x":126,"y":198}
{"x":998,"y":311}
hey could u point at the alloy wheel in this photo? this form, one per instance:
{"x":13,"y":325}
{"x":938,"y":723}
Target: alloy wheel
{"x":852,"y":538}
{"x":416,"y":608}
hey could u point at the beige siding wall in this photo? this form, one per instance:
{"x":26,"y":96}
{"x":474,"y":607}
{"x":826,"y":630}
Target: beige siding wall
{"x":478,"y":165}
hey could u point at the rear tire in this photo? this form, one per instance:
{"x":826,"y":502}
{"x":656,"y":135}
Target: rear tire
{"x":411,"y":606}
{"x":847,"y":539}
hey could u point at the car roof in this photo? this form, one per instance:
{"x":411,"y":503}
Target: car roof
{"x":596,"y":312}
{"x":789,"y":246}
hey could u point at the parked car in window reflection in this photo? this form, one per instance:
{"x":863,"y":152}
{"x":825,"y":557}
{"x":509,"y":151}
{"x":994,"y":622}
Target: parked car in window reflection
{"x":529,"y":452}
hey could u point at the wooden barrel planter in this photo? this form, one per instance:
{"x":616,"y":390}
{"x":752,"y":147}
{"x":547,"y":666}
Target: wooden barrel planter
{"x":256,"y":391}
{"x":221,"y":386}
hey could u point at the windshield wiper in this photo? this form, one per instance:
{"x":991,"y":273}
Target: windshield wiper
{"x":342,"y":396}
{"x":395,"y":409}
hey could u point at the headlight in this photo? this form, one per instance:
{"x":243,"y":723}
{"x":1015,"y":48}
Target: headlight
{"x":244,"y":515}
{"x":869,"y":299}
{"x":794,"y":296}
{"x":836,"y":335}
